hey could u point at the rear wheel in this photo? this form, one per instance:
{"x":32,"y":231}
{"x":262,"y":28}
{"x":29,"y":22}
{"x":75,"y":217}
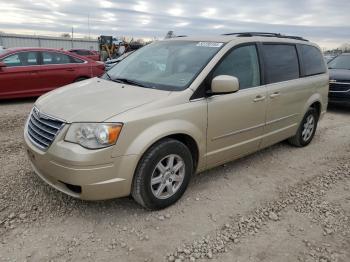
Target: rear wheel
{"x":306,"y":130}
{"x":163,"y":174}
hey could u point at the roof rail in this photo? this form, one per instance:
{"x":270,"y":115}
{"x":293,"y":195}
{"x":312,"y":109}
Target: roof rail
{"x":264,"y":34}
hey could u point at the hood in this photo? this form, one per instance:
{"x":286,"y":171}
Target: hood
{"x":339,"y":74}
{"x":95,"y":100}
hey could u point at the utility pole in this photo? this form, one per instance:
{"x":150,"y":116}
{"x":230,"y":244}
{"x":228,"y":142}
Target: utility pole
{"x":72,"y":37}
{"x":89,"y":25}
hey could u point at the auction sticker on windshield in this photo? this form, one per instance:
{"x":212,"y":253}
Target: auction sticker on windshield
{"x":210,"y":44}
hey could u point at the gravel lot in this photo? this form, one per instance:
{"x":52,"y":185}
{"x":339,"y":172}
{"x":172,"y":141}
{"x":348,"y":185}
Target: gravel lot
{"x":280,"y":204}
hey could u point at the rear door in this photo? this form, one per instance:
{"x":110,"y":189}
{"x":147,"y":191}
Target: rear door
{"x":20,"y":77}
{"x":59,"y":69}
{"x":236,"y":121}
{"x":286,"y":91}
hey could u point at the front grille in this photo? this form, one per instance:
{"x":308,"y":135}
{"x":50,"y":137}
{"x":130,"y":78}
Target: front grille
{"x":339,"y":86}
{"x":42,"y":129}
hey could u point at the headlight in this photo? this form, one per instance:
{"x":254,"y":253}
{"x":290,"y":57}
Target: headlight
{"x":94,"y":135}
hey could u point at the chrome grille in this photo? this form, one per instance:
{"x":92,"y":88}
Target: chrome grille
{"x":42,"y":129}
{"x":339,"y":86}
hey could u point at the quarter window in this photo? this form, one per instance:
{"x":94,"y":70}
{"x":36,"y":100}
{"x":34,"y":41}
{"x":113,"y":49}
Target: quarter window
{"x":281,"y":62}
{"x":313,"y":61}
{"x":242,"y":63}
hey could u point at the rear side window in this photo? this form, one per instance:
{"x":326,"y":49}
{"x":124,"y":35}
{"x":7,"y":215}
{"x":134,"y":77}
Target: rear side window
{"x":82,"y":52}
{"x":242,"y":63}
{"x":281,"y":62}
{"x":31,"y":58}
{"x":52,"y":58}
{"x":313,"y":61}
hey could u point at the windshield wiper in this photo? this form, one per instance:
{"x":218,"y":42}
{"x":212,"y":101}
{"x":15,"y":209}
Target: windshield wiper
{"x":131,"y":82}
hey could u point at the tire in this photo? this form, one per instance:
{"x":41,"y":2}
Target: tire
{"x":306,"y":130}
{"x":80,"y":79}
{"x":159,"y":157}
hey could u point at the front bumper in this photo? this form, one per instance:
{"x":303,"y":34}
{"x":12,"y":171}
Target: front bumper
{"x":339,"y":94}
{"x":82,"y":173}
{"x":339,"y":99}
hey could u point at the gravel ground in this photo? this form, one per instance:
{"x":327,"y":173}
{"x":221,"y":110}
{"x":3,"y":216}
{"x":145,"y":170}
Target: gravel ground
{"x":279,"y":204}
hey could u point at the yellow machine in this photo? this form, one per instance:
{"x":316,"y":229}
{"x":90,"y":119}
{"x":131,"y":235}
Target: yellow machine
{"x":111,"y":48}
{"x":107,"y":47}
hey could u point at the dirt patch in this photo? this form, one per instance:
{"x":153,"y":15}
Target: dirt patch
{"x":279,"y":204}
{"x":306,"y":197}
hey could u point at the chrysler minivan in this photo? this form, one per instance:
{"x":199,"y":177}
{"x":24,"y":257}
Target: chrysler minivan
{"x":174,"y":108}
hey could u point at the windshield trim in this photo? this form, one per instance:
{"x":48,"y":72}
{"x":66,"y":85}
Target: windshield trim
{"x":171,"y":88}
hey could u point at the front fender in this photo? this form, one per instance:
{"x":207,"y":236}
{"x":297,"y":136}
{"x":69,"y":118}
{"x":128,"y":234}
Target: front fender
{"x":163,"y":129}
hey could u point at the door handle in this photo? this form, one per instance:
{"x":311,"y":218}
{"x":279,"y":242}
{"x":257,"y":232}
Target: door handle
{"x":275,"y":94}
{"x":259,"y":98}
{"x":69,"y":69}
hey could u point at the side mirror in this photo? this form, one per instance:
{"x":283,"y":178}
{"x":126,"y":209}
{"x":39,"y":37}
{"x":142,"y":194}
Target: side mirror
{"x":2,"y":65}
{"x":224,"y":84}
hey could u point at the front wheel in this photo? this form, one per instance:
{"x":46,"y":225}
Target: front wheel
{"x":162,"y":174}
{"x":80,"y":79}
{"x":306,"y":130}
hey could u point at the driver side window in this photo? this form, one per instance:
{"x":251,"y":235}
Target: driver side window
{"x":12,"y":60}
{"x":243,"y":63}
{"x":22,"y":59}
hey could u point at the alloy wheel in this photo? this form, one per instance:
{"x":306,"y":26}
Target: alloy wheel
{"x":309,"y":127}
{"x":167,"y":176}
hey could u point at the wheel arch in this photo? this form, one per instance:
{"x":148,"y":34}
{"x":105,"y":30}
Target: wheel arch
{"x":190,"y":143}
{"x":189,"y":134}
{"x":184,"y":138}
{"x":315,"y":101}
{"x":317,"y":106}
{"x":81,"y":78}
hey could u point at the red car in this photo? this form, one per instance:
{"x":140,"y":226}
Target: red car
{"x":94,"y":55}
{"x":28,"y":72}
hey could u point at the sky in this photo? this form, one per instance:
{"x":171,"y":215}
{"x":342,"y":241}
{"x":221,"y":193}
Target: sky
{"x":326,"y":22}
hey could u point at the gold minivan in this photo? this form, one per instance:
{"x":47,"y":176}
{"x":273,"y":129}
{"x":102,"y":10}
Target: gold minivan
{"x":174,"y":108}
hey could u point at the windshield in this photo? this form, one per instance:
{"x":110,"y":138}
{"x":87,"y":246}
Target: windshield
{"x":165,"y":65}
{"x":340,"y":62}
{"x":124,"y":55}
